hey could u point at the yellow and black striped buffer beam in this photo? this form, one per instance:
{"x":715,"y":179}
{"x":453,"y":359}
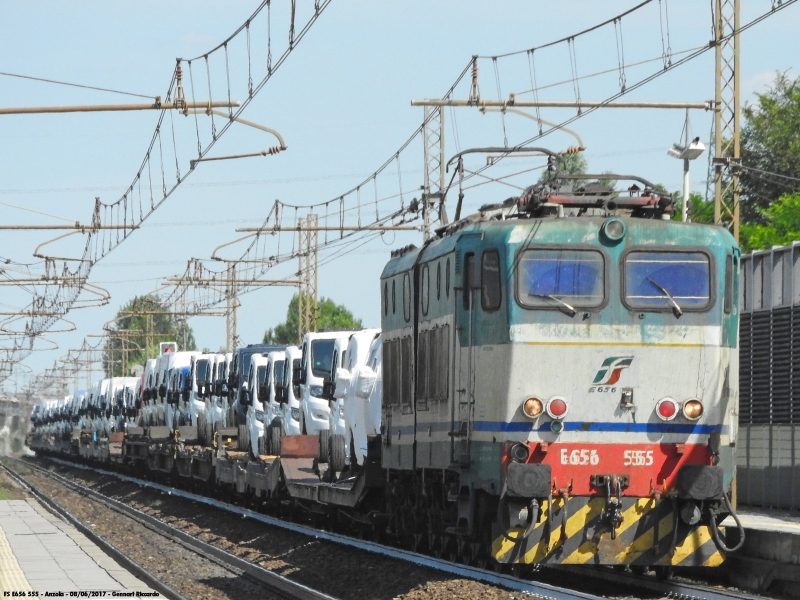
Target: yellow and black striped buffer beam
{"x":578,"y":532}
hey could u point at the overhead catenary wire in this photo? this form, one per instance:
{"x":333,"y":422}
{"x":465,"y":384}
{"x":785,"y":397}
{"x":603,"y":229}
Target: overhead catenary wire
{"x":673,"y":65}
{"x":77,"y":85}
{"x":575,"y":35}
{"x":60,"y":298}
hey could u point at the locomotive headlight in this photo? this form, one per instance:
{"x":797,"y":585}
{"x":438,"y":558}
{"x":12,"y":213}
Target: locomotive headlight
{"x":693,"y":409}
{"x":667,"y":409}
{"x":557,"y":407}
{"x":532,"y":407}
{"x":614,"y":229}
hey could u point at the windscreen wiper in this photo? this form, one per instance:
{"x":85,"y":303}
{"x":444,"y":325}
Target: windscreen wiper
{"x":675,"y":306}
{"x":572,"y":311}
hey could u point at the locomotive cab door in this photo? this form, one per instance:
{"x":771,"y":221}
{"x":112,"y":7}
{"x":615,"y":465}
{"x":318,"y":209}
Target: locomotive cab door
{"x":467,"y":299}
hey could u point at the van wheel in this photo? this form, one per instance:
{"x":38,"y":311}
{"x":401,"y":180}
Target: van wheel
{"x":336,"y":453}
{"x":324,"y":441}
{"x":274,"y":437}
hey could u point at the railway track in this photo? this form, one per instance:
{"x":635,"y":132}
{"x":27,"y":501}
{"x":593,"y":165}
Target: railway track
{"x":624,"y":583}
{"x":275,"y":583}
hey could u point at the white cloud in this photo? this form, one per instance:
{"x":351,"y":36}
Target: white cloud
{"x":759,"y":83}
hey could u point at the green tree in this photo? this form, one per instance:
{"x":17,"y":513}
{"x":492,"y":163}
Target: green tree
{"x":330,"y":316}
{"x":781,"y":225}
{"x":568,"y":164}
{"x":770,"y":142}
{"x":139,"y":327}
{"x":700,"y":211}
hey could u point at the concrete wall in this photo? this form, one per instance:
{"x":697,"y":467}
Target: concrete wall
{"x":14,"y":422}
{"x":768,"y":466}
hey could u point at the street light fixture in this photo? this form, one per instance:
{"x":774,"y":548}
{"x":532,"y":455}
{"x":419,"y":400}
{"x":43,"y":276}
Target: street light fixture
{"x":688,"y":152}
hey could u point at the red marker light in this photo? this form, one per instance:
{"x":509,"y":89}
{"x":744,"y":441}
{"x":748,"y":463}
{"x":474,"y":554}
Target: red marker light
{"x":667,"y":408}
{"x":557,"y":407}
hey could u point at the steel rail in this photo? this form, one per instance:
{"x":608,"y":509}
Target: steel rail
{"x":273,"y":581}
{"x":535,"y":588}
{"x":669,"y":588}
{"x":107,"y":547}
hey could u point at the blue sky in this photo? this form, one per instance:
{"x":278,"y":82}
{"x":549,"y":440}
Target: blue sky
{"x":342,"y":102}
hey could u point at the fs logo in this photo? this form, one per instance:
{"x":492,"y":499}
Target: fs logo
{"x":611,"y":370}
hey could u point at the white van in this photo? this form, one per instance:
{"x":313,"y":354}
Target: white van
{"x":345,"y":404}
{"x":362,"y":408}
{"x":272,"y":407}
{"x":317,"y":358}
{"x":200,"y":376}
{"x":149,"y":393}
{"x":216,"y":398}
{"x":163,"y":365}
{"x":290,"y":394}
{"x":257,"y":396}
{"x":179,"y":390}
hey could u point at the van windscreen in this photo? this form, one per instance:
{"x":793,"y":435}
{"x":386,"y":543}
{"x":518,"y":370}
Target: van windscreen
{"x":278,"y":371}
{"x":321,"y":357}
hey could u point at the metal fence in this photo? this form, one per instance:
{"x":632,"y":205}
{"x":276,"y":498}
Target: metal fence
{"x":768,"y":447}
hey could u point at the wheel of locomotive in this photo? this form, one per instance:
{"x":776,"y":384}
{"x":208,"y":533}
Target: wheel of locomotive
{"x":274,"y":436}
{"x":336,"y":452}
{"x":516,"y":570}
{"x":324,"y":443}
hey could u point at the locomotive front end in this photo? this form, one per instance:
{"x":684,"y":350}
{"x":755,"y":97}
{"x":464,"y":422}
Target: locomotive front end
{"x":622,"y":392}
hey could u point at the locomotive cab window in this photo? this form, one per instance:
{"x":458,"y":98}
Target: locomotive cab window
{"x":549,"y":278}
{"x":658,"y":280}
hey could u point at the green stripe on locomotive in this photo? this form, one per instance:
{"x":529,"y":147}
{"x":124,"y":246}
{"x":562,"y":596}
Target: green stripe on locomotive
{"x":510,"y":236}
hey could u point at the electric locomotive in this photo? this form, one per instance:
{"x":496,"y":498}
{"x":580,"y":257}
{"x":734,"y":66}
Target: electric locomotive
{"x":561,"y":381}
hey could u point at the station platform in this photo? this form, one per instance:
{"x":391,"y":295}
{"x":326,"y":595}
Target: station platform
{"x":40,"y":553}
{"x":770,"y":557}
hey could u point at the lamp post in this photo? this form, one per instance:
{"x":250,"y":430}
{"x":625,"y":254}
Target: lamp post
{"x":687,"y":152}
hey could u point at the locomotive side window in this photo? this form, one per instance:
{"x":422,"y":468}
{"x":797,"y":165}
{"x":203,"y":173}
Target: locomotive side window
{"x":423,"y":369}
{"x":728,"y":283}
{"x":406,"y":297}
{"x":394,"y":303}
{"x":391,"y":376}
{"x":659,"y":280}
{"x":397,"y":369}
{"x":547,"y":278}
{"x":447,"y":278}
{"x":426,"y":287}
{"x":491,"y":290}
{"x":438,"y":280}
{"x":467,"y":280}
{"x":385,"y":298}
{"x":433,"y":361}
